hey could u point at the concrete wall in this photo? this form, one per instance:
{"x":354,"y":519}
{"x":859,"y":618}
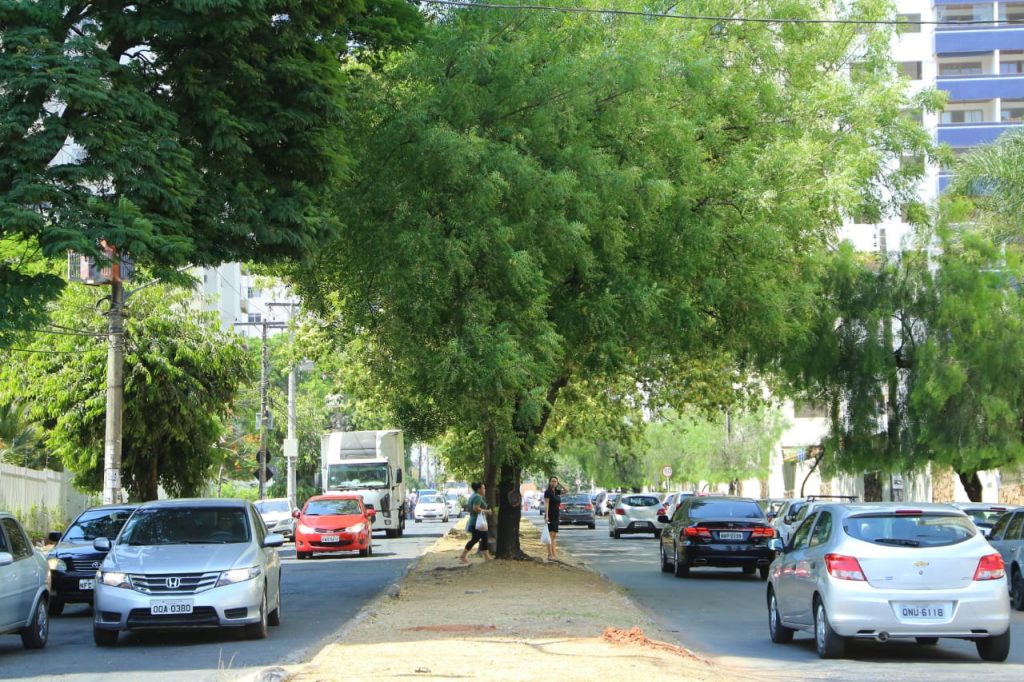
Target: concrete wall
{"x":43,"y":500}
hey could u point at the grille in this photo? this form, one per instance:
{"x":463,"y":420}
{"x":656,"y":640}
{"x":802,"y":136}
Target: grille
{"x":84,"y":564}
{"x":201,"y":615}
{"x":185,"y":583}
{"x":328,"y":530}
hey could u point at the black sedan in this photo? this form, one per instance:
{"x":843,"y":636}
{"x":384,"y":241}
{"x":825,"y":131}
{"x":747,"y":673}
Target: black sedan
{"x":716,"y":531}
{"x":576,"y":510}
{"x":73,"y":560}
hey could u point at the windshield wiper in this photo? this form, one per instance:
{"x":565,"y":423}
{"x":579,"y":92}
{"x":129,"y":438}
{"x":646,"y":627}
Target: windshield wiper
{"x":903,"y":542}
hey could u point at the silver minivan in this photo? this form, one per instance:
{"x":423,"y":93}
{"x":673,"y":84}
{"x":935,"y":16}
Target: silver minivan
{"x":189,"y":563}
{"x":889,"y":571}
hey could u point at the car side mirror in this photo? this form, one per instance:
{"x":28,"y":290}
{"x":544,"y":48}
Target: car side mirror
{"x":663,"y":519}
{"x":776,"y":545}
{"x":101,"y":544}
{"x":398,"y":476}
{"x":6,"y":558}
{"x":273,"y":540}
{"x":372,"y":513}
{"x":54,"y":536}
{"x":296,"y":513}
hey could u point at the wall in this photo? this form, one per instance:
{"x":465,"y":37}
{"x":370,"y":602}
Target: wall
{"x":43,"y":500}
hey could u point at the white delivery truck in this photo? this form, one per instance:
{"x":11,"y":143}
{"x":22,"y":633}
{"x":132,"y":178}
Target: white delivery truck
{"x":367,"y":463}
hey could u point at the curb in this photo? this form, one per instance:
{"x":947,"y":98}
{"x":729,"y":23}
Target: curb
{"x":278,"y":673}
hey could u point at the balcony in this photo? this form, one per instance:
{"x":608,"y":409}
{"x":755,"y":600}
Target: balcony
{"x":979,"y":39}
{"x":983,"y":86}
{"x":971,"y":134}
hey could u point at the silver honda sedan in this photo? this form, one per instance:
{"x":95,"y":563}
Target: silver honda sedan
{"x":189,"y":563}
{"x":889,"y":571}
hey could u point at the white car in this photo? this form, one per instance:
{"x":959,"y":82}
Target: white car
{"x":278,"y":514}
{"x":886,"y":571}
{"x":635,"y":514}
{"x":454,"y":505}
{"x":431,"y":508}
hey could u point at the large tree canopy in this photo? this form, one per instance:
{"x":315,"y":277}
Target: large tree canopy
{"x":551,"y":200}
{"x":179,"y":131}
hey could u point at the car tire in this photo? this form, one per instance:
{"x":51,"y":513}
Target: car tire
{"x":258,"y":630}
{"x":680,"y":568}
{"x":1017,"y":589}
{"x":616,"y":533}
{"x":35,"y":634}
{"x":666,"y":565}
{"x":56,"y":606}
{"x":778,"y":632}
{"x":591,"y":526}
{"x":656,"y":534}
{"x":764,"y":570}
{"x":104,"y":637}
{"x":301,"y":555}
{"x":749,"y":569}
{"x":826,"y":641}
{"x":364,"y":552}
{"x":927,"y":641}
{"x":274,"y":617}
{"x":994,"y":649}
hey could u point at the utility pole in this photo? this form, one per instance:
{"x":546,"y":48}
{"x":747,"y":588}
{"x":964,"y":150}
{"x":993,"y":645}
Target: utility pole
{"x":115,"y":389}
{"x":264,"y":380}
{"x":291,"y":443}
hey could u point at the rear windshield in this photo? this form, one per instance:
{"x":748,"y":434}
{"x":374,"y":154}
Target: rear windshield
{"x":640,"y":501}
{"x":910,"y":530}
{"x":725,"y":509}
{"x":578,"y":499}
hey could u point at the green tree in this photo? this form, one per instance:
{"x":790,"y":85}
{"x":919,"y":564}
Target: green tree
{"x":181,"y":132}
{"x":181,"y":374}
{"x":562,"y":200}
{"x":19,"y":438}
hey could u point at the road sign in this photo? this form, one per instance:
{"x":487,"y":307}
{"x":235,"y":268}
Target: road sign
{"x":666,"y":471}
{"x":578,"y":481}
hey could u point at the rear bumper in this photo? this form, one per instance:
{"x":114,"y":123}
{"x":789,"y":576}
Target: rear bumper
{"x":575,"y":519}
{"x":726,"y":555}
{"x":627,"y":525}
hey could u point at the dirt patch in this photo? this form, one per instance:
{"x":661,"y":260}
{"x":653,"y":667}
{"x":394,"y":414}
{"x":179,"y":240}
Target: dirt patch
{"x":507,"y":620}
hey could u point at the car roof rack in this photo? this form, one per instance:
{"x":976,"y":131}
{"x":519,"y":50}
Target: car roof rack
{"x":852,"y":498}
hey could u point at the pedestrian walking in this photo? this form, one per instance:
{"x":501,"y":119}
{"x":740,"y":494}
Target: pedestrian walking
{"x":552,"y":503}
{"x":477,"y":508}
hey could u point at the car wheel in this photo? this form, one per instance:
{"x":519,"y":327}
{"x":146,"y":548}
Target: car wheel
{"x":927,"y":641}
{"x":765,"y":570}
{"x":994,"y":649}
{"x":666,"y":565}
{"x":301,"y":555}
{"x":616,"y":533}
{"x":104,"y":637}
{"x":748,"y":569}
{"x":656,"y":535}
{"x":682,"y":569}
{"x":1017,"y":590}
{"x":35,"y":634}
{"x":274,"y":618}
{"x":56,"y":606}
{"x":826,"y":641}
{"x":259,"y":630}
{"x":364,"y":552}
{"x":591,"y":526}
{"x":779,"y":633}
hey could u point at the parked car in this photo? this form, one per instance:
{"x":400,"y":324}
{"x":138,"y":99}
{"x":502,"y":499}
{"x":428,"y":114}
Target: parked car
{"x":454,"y":502}
{"x":24,"y":586}
{"x":189,"y":563}
{"x":1007,"y":537}
{"x":889,"y":571}
{"x":576,"y":510}
{"x":716,"y":531}
{"x":73,"y":561}
{"x":279,"y":515}
{"x":431,"y":508}
{"x":786,"y":516}
{"x":635,"y":514}
{"x":334,"y":523}
{"x":984,"y":514}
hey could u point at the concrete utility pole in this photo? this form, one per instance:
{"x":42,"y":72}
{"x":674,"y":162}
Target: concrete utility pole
{"x":291,"y":442}
{"x":264,"y":380}
{"x":115,"y":389}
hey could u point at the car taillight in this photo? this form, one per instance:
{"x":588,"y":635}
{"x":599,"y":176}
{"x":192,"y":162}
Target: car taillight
{"x":762,"y":533}
{"x":660,"y":512}
{"x":844,"y":567}
{"x":588,"y":507}
{"x":991,"y":567}
{"x":697,"y":532}
{"x":620,"y":512}
{"x":562,"y":506}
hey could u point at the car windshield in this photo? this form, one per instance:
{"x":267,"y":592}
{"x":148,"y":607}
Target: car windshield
{"x":97,"y":523}
{"x":430,"y":499}
{"x":331,"y":507}
{"x":186,"y":526}
{"x":640,"y":501}
{"x":452,"y":497}
{"x":910,"y":530}
{"x":725,"y":509}
{"x":364,"y":475}
{"x":272,"y":506}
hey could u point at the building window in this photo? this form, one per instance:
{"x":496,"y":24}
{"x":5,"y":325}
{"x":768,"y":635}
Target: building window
{"x":960,"y":69}
{"x":963,"y":116}
{"x":255,"y":318}
{"x":1012,"y":112}
{"x":913,"y":26}
{"x":253,"y":292}
{"x":911,"y":70}
{"x":962,"y":14}
{"x":1011,"y":13}
{"x":1011,"y":62}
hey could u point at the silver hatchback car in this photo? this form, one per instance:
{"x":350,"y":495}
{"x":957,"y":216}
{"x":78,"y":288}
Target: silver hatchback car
{"x":189,"y":563}
{"x":889,"y":571}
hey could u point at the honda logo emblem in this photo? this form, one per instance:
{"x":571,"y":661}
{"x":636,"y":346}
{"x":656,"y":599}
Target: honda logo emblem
{"x":173,"y":583}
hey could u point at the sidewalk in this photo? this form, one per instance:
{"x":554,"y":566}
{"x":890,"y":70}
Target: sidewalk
{"x":504,"y":620}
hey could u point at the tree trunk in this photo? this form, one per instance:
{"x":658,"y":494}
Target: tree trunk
{"x":971,"y":483}
{"x":872,"y":487}
{"x":490,"y":479}
{"x":509,"y":514}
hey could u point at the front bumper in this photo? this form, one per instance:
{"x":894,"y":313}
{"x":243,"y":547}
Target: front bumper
{"x":347,"y":542}
{"x":856,"y":609}
{"x":67,"y":586}
{"x":117,"y":608}
{"x":285,"y":527}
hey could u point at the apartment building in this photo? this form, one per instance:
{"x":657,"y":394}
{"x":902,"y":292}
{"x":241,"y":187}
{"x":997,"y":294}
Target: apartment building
{"x":244,"y":301}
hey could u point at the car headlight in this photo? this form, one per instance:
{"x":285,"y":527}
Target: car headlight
{"x":115,"y":579}
{"x":303,"y":528}
{"x":56,"y":564}
{"x":238,"y":575}
{"x":358,"y":528}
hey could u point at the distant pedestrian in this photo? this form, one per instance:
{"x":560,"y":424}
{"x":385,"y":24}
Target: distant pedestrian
{"x":477,"y":507}
{"x":552,"y":503}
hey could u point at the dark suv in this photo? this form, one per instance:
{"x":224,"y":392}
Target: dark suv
{"x":716,"y":531}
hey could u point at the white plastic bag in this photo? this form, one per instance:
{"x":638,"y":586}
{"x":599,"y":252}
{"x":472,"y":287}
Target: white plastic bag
{"x":481,"y":521}
{"x":545,"y":534}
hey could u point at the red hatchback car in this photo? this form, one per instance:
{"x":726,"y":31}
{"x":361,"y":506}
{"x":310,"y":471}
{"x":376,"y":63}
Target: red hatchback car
{"x":333,"y":523}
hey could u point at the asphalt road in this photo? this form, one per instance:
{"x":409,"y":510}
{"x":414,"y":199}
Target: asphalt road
{"x":320,"y":596}
{"x":722,"y":614}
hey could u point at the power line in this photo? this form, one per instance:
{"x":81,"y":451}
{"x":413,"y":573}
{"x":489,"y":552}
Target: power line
{"x":54,"y":352}
{"x":716,"y":19}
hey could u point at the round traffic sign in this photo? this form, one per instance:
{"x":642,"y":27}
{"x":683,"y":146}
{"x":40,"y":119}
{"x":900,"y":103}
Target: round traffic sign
{"x":666,"y":471}
{"x":578,"y":481}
